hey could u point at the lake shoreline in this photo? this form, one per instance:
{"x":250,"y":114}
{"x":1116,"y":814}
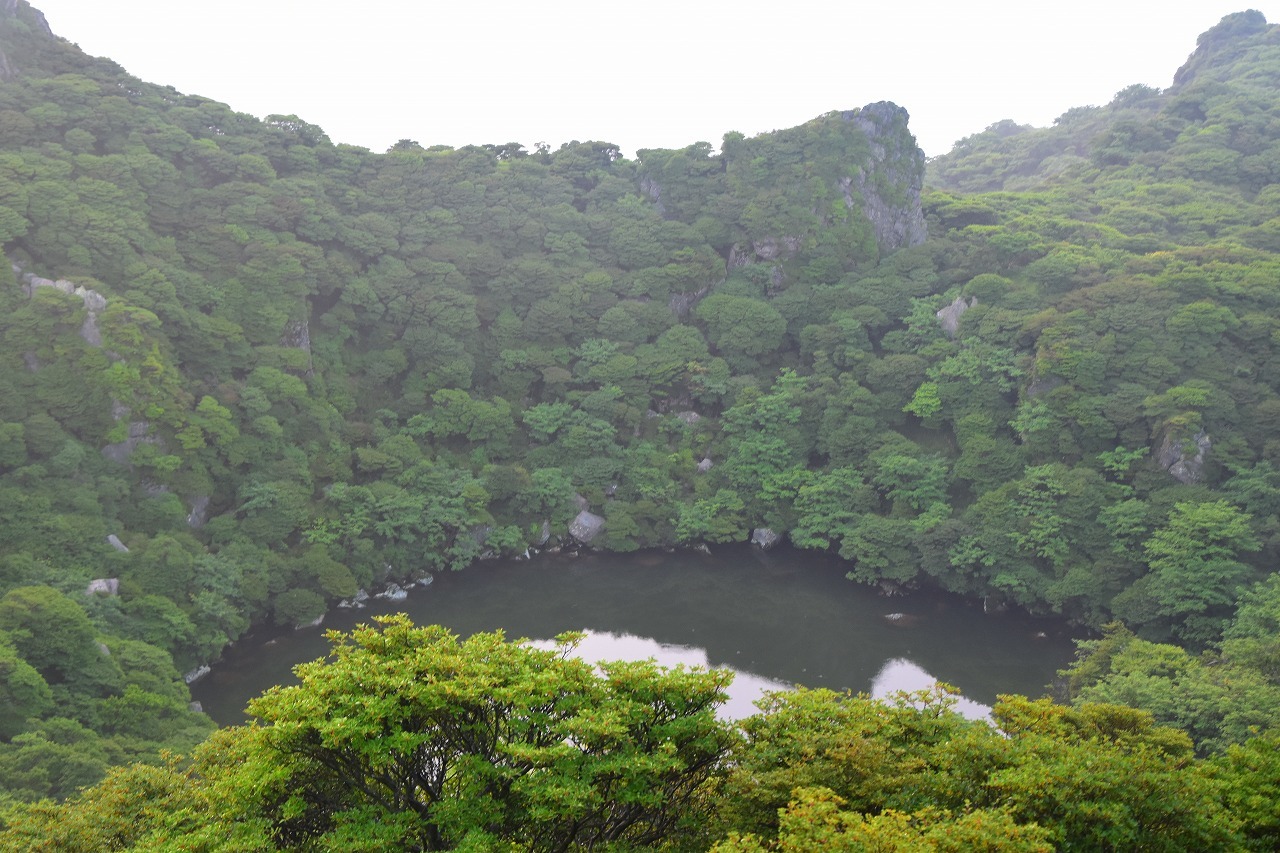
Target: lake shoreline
{"x":740,"y":605}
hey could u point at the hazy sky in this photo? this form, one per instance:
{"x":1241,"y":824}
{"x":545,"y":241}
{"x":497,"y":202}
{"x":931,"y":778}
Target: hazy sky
{"x":656,"y":74}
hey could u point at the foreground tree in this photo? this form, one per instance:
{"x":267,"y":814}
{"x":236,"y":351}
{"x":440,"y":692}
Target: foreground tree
{"x":408,"y":738}
{"x":820,"y":770}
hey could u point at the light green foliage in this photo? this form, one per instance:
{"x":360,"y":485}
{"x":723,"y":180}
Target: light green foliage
{"x":1195,"y":567}
{"x":349,"y":360}
{"x":1250,"y":773}
{"x":815,"y":820}
{"x":718,"y":518}
{"x":409,"y":737}
{"x":1098,"y":777}
{"x":1253,"y":637}
{"x":139,"y":808}
{"x":1218,"y":699}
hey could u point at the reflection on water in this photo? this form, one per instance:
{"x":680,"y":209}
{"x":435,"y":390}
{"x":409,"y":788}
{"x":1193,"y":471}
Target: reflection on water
{"x":746,"y":688}
{"x":897,"y":675}
{"x":901,"y":675}
{"x":778,"y":619}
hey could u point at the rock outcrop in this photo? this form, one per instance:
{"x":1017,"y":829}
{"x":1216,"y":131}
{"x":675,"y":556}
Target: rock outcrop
{"x":297,"y":335}
{"x":1173,"y":457}
{"x":891,"y":183}
{"x":586,"y":527}
{"x":393,"y":592}
{"x":199,"y":513}
{"x":103,"y":586}
{"x":196,"y":674}
{"x":94,"y":302}
{"x":949,"y":317}
{"x":139,"y":433}
{"x":1221,"y":45}
{"x":764,"y":538}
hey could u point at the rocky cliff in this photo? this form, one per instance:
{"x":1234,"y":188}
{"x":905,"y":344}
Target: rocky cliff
{"x":888,"y":186}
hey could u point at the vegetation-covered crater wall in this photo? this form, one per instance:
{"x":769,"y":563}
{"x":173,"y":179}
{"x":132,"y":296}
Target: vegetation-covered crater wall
{"x":314,"y":368}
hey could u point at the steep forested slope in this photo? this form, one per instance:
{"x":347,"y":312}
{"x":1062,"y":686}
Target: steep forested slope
{"x":278,"y":369}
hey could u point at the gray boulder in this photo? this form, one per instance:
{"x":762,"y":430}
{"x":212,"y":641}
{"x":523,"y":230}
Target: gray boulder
{"x":393,"y":592}
{"x":103,"y":586}
{"x":196,"y":674}
{"x":586,"y":527}
{"x":949,"y":317}
{"x":764,"y":538}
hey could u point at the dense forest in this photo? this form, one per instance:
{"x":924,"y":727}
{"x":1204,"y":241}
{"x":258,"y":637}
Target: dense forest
{"x":250,"y":372}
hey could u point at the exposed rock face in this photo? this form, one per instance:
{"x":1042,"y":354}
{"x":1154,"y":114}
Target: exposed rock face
{"x":199,"y":512}
{"x":1221,"y":45}
{"x":890,"y":187}
{"x":1172,"y":456}
{"x":882,"y":180}
{"x":196,"y":674}
{"x":94,"y":302}
{"x":653,"y":190}
{"x":949,"y":317}
{"x":769,"y":250}
{"x":358,"y":600}
{"x":122,"y":450}
{"x":297,"y":335}
{"x":682,"y":303}
{"x":586,"y":527}
{"x":103,"y":586}
{"x":12,"y":9}
{"x":775,"y":249}
{"x":764,"y":538}
{"x":114,"y":541}
{"x":705,"y":465}
{"x":393,"y":592}
{"x":1043,"y":385}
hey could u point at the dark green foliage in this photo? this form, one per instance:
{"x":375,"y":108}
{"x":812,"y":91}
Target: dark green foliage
{"x":319,"y":368}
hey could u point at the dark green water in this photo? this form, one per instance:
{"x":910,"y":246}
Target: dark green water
{"x":779,"y":619}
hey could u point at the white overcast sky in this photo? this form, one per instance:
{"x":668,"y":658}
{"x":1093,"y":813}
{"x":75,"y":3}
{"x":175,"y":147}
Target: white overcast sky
{"x":656,"y":74}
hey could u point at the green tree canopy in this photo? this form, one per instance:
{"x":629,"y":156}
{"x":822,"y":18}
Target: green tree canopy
{"x":409,"y":738}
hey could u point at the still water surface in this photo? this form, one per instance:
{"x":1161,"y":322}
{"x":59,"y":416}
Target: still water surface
{"x":778,"y":619}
